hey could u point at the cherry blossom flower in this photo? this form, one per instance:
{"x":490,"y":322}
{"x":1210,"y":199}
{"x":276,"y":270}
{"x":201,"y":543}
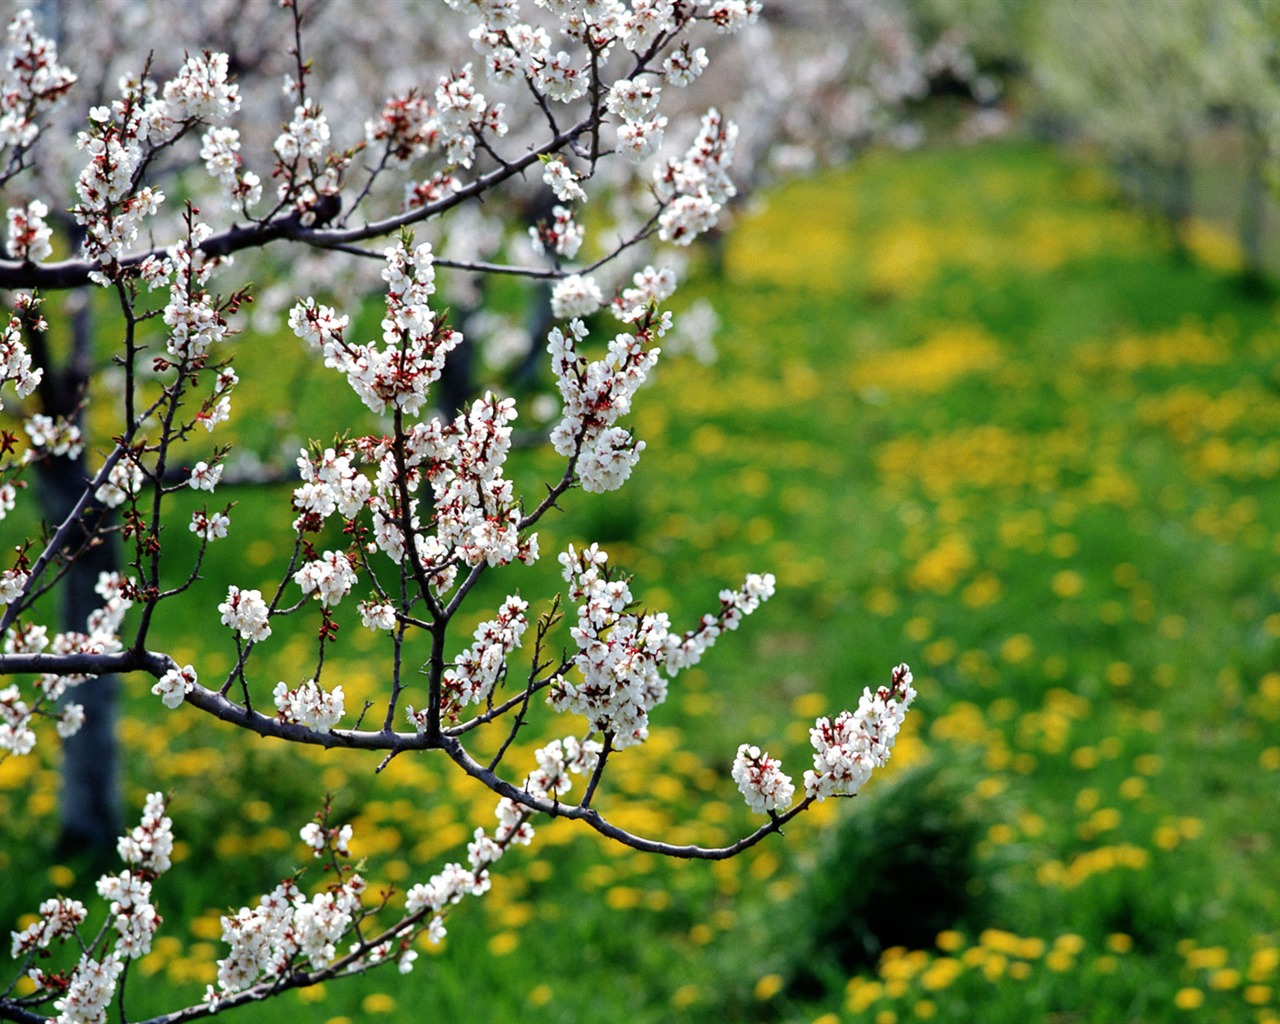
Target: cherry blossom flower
{"x":561,"y":235}
{"x":377,"y":615}
{"x":563,"y":182}
{"x":59,"y":918}
{"x":848,"y":748}
{"x":33,"y":82}
{"x":89,"y":990}
{"x":577,"y":295}
{"x":124,"y":481}
{"x":209,"y":527}
{"x":622,"y":655}
{"x":330,"y":577}
{"x":477,"y":669}
{"x":174,"y":685}
{"x":204,"y":477}
{"x":309,"y":705}
{"x":29,"y":235}
{"x":761,"y":780}
{"x":246,"y":612}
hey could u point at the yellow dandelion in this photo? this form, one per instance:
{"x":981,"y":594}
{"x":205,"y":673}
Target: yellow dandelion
{"x":1084,"y":758}
{"x":1225,"y":979}
{"x":860,"y":994}
{"x":768,"y":987}
{"x":1031,"y":948}
{"x":1067,"y":584}
{"x":941,"y":973}
{"x":1119,"y":942}
{"x":1070,"y":943}
{"x":1059,"y":961}
{"x":504,"y":943}
{"x":1263,"y":962}
{"x":1188,"y":999}
{"x":1017,"y":648}
{"x":950,"y":941}
{"x":685,"y":996}
{"x":1207,"y":958}
{"x":378,"y":1002}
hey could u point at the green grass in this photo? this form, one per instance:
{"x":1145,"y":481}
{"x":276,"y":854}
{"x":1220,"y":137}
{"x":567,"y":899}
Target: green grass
{"x":974,"y":415}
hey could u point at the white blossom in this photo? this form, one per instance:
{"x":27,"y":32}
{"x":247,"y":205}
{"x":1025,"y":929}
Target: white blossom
{"x":577,"y":295}
{"x":174,"y":685}
{"x":29,"y":236}
{"x":310,"y":705}
{"x":246,"y":612}
{"x":563,"y":182}
{"x":329,"y":577}
{"x":848,"y":748}
{"x":761,"y":780}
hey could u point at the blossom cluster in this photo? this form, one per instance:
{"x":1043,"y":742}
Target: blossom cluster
{"x":89,"y":990}
{"x":15,"y":360}
{"x":284,"y":931}
{"x":621,"y":654}
{"x":246,"y":612}
{"x":414,"y":345}
{"x":477,"y":670}
{"x":29,"y":237}
{"x":308,"y":169}
{"x":55,"y":436}
{"x":33,"y":81}
{"x":330,"y":484}
{"x":696,"y":186}
{"x":406,"y":126}
{"x":220,"y":151}
{"x":310,"y":704}
{"x":174,"y":685}
{"x":477,"y":514}
{"x":761,"y":780}
{"x":328,"y":577}
{"x":319,"y":837}
{"x":124,"y":481}
{"x":562,"y":235}
{"x":596,"y":393}
{"x":16,"y":734}
{"x":149,"y":845}
{"x":132,"y":917}
{"x":112,"y":205}
{"x":100,"y":636}
{"x":194,"y":320}
{"x":847,"y":749}
{"x":59,"y":918}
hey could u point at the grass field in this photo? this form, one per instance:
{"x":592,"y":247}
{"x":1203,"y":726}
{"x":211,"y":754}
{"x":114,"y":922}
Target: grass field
{"x":974,"y":415}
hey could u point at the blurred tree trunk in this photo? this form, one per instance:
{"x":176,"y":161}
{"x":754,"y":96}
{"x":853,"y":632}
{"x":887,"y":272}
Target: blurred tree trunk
{"x":91,"y":814}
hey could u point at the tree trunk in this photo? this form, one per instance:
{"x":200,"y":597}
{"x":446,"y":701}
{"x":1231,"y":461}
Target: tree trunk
{"x":91,"y":802}
{"x":91,"y":790}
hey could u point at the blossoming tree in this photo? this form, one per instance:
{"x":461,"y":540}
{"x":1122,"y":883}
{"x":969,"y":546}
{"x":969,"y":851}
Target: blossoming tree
{"x":402,"y":522}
